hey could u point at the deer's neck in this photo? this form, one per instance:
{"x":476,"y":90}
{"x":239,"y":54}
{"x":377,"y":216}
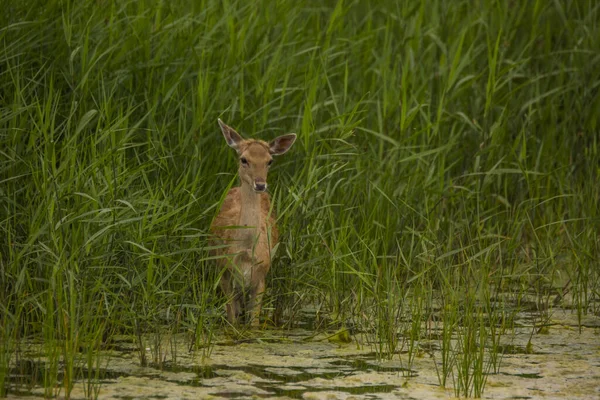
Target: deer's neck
{"x":250,"y":212}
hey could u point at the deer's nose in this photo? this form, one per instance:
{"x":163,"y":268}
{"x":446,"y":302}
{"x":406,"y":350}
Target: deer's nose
{"x":260,"y":185}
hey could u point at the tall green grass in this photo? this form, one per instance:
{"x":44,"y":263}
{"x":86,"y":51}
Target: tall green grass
{"x":447,"y":153}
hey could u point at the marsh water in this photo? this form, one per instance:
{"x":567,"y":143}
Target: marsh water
{"x":562,"y":361}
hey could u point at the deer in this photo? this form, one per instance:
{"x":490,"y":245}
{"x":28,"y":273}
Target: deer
{"x":244,"y":231}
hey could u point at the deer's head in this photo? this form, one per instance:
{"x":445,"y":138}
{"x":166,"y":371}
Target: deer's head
{"x":255,"y":156}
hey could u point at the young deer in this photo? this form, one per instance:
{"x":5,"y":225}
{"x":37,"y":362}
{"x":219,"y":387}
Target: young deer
{"x":246,"y":225}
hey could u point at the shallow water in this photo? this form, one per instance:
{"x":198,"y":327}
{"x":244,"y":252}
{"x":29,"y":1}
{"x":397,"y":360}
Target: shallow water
{"x":274,"y":364}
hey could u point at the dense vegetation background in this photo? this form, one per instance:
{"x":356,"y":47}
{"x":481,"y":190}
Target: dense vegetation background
{"x":448,"y":151}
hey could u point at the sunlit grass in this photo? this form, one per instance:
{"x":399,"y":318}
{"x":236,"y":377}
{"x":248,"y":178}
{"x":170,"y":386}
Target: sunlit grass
{"x":447,"y":155}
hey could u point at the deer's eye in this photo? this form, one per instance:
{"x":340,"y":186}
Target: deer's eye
{"x":244,"y":161}
{"x":269,"y":163}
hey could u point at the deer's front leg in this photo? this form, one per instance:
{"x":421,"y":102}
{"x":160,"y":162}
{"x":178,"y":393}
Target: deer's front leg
{"x":255,"y":303}
{"x":233,"y":305}
{"x":233,"y":309}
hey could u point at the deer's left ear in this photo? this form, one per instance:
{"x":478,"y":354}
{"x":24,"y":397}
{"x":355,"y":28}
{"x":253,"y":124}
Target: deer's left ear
{"x":233,"y":139}
{"x":281,"y":144}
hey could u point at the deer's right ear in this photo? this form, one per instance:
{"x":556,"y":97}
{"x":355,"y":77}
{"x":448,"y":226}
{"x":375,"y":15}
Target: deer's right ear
{"x":232,"y":138}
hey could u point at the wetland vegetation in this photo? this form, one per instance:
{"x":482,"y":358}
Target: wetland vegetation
{"x":440,"y":202}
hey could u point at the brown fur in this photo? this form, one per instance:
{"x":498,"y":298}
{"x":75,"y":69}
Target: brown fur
{"x":230,"y":213}
{"x":246,"y":227}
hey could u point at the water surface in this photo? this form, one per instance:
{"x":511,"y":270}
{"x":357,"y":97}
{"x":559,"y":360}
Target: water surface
{"x":563,"y":362}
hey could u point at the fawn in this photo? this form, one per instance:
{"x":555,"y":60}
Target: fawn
{"x":246,"y":226}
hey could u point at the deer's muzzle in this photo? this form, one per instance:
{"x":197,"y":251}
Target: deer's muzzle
{"x":260,"y":185}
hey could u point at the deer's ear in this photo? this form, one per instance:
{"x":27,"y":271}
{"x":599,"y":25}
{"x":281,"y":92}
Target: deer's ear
{"x":281,"y":144}
{"x":233,"y":139}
